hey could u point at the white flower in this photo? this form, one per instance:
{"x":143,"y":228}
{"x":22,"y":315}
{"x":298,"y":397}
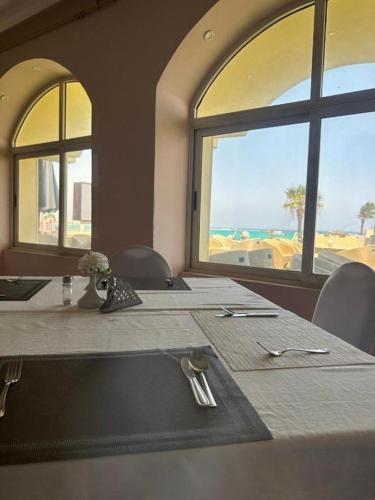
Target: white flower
{"x":93,"y":262}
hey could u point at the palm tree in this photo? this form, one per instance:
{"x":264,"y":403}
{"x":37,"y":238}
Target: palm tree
{"x":367,"y":211}
{"x":295,"y":203}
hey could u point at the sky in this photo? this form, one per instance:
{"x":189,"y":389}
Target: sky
{"x":251,"y":173}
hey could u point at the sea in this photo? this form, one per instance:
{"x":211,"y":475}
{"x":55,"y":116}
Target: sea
{"x":254,"y":233}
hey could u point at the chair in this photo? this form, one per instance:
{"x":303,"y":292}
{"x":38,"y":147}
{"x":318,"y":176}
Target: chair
{"x":234,"y":257}
{"x":346,"y":305}
{"x":140,"y":262}
{"x":264,"y":257}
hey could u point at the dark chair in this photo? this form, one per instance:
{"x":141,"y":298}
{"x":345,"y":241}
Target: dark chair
{"x":140,"y":262}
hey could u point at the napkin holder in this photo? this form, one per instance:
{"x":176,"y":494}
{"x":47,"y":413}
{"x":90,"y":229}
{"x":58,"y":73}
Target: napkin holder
{"x":120,"y":294}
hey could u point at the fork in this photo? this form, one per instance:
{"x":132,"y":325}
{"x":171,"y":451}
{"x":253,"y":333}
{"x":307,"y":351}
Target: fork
{"x":14,"y":280}
{"x":232,"y":314}
{"x":13,"y":374}
{"x":279,"y":353}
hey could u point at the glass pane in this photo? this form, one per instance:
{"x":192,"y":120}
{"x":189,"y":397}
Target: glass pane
{"x":253,"y":197}
{"x":78,"y":111}
{"x":42,"y":122}
{"x":346,"y":217}
{"x":273,"y":68}
{"x":350,"y":47}
{"x":77,"y":233}
{"x":38,"y":200}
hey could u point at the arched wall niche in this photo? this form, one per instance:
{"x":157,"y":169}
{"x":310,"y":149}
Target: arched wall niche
{"x":19,"y":86}
{"x":188,"y":74}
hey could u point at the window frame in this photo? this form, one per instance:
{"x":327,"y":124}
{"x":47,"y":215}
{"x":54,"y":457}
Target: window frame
{"x":312,"y":111}
{"x":58,"y":148}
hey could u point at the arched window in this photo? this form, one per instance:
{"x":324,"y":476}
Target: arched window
{"x":52,"y":156}
{"x":284,"y":162}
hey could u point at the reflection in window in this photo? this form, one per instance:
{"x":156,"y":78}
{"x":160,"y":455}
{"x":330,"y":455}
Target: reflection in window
{"x":61,"y":114}
{"x":349,"y":63}
{"x":38,"y":208}
{"x":253,"y":197}
{"x":77,"y":232}
{"x":269,"y":65}
{"x":78,"y":111}
{"x":42,"y":122}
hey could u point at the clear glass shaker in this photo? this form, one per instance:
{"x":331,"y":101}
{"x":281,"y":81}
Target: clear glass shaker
{"x":67,"y":285}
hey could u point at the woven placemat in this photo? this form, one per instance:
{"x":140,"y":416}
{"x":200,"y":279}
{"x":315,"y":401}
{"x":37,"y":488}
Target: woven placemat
{"x":85,"y":405}
{"x":235,"y":339}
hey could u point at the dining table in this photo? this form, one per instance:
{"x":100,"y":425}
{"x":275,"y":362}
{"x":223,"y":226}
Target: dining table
{"x":319,"y":409}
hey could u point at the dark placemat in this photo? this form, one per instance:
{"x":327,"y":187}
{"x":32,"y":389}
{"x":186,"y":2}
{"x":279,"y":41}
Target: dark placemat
{"x":23,"y":289}
{"x":77,"y":406}
{"x":158,"y":283}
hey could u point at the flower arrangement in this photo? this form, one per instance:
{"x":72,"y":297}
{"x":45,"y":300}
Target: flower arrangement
{"x":94,"y":263}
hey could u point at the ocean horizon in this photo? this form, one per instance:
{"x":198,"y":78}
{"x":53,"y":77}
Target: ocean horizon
{"x":253,"y":233}
{"x":263,"y":233}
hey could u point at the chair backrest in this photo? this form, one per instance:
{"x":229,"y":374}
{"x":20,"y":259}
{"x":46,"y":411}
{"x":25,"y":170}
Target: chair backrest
{"x":140,"y":262}
{"x":235,"y":257}
{"x":346,"y":305}
{"x":263,"y":257}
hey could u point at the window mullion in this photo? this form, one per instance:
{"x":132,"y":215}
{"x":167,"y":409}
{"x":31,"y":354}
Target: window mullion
{"x":62,"y":108}
{"x":16,"y":198}
{"x":318,"y":49}
{"x":62,"y":200}
{"x":311,"y":197}
{"x":196,"y":197}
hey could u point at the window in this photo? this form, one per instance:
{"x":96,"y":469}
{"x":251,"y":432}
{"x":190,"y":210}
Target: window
{"x":284,"y":168}
{"x":52,"y":156}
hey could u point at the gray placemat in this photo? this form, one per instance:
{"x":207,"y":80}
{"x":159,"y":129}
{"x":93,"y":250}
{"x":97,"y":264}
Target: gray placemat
{"x":22,"y":289}
{"x":81,"y":406}
{"x":171,"y":284}
{"x":235,"y":339}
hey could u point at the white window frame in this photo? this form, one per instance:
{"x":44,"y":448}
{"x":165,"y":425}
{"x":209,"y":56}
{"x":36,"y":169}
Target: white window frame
{"x":311,"y":111}
{"x":58,"y":148}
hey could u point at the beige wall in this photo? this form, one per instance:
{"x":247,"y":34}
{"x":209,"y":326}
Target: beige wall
{"x":118,"y":54}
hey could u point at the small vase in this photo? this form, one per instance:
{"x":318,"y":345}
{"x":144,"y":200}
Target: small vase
{"x":91,"y":299}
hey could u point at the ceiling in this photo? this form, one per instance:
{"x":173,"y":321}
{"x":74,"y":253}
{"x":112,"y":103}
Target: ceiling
{"x":13,"y":12}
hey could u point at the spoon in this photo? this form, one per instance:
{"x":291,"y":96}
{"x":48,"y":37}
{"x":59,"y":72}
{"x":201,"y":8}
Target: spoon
{"x":199,"y":363}
{"x":198,"y":393}
{"x":279,"y":353}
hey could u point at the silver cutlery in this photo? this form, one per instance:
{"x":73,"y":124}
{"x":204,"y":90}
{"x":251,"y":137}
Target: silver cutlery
{"x":199,"y":395}
{"x":13,"y":375}
{"x":279,"y":353}
{"x":198,"y":362}
{"x":232,"y":314}
{"x":14,"y":280}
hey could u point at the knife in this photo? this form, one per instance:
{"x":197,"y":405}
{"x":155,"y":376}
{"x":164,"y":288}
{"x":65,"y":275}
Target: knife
{"x":199,"y":395}
{"x":249,"y":315}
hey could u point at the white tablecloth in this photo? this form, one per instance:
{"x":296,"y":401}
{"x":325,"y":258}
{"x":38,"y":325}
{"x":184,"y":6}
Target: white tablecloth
{"x":322,"y":419}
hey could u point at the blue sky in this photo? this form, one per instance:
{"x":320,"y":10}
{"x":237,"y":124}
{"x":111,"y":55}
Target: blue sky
{"x":252,"y":172}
